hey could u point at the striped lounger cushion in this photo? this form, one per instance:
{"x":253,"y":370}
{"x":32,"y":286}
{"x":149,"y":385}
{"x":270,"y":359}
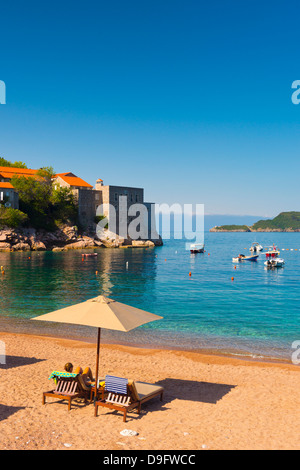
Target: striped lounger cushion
{"x":116,"y":384}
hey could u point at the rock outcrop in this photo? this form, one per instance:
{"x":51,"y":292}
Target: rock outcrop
{"x":64,"y":239}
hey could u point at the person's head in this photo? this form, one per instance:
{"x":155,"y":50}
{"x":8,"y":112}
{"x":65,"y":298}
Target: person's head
{"x":68,"y":367}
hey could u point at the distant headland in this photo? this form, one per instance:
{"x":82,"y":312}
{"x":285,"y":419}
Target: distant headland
{"x":284,"y":222}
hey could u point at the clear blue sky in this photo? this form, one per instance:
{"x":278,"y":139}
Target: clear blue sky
{"x":189,"y":99}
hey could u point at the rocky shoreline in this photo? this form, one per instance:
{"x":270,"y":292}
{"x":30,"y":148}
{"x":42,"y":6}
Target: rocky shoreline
{"x":63,"y":239}
{"x":219,"y":229}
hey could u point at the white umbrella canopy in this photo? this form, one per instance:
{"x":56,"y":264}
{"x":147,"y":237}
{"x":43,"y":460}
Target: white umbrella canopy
{"x":101,"y":312}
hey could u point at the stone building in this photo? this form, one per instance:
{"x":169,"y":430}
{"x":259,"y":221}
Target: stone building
{"x":117,"y":203}
{"x":8,"y":195}
{"x":85,"y":195}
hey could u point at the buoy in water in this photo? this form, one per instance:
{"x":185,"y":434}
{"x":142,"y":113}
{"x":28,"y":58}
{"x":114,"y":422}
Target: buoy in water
{"x":190,"y":273}
{"x":232,"y":278}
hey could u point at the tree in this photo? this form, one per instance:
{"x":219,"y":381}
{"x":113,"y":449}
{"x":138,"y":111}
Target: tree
{"x":45,"y":204}
{"x":65,"y":207}
{"x":4,"y":162}
{"x":34,"y":199}
{"x":12,"y":217}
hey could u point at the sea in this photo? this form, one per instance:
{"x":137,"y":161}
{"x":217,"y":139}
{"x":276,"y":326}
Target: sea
{"x":208,"y":302}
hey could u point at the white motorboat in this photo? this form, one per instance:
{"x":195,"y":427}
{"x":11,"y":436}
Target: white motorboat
{"x":255,"y":247}
{"x":197,"y":248}
{"x":274,"y":263}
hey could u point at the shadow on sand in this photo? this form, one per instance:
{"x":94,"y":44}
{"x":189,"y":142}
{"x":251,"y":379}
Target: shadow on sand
{"x":190,"y":390}
{"x":7,"y":411}
{"x":202,"y":392}
{"x":17,"y":361}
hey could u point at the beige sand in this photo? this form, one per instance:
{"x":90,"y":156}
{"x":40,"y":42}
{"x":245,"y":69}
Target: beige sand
{"x":210,"y":402}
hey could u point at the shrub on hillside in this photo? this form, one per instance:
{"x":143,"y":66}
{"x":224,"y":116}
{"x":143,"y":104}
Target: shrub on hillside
{"x":12,"y":217}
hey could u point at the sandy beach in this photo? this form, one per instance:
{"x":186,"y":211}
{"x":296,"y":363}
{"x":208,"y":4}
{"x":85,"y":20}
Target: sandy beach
{"x":211,"y":402}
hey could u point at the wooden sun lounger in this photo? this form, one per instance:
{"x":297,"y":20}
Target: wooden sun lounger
{"x":68,"y":388}
{"x":137,"y":394}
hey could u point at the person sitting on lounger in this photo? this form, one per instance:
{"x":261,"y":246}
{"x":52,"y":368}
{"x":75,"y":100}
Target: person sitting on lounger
{"x":86,"y":374}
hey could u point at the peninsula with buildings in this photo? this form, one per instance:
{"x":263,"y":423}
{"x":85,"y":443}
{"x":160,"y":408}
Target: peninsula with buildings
{"x":44,"y":210}
{"x":284,"y":222}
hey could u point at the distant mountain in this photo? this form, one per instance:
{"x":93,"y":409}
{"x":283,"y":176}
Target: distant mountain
{"x":284,"y":222}
{"x":211,"y":221}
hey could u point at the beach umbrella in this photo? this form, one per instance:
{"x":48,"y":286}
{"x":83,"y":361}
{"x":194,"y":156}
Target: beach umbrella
{"x":101,"y":312}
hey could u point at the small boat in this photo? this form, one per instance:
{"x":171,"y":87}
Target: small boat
{"x":255,"y":247}
{"x":89,"y":254}
{"x":274,"y":263}
{"x":272,"y":252}
{"x":245,"y":258}
{"x":197,"y":248}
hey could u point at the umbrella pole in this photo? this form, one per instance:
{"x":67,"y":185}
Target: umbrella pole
{"x":97,"y":363}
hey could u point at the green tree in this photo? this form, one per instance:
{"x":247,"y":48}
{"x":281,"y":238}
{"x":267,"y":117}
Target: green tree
{"x":45,"y":204}
{"x":12,"y":217}
{"x":65,"y":208}
{"x":4,"y":162}
{"x":34,"y":199}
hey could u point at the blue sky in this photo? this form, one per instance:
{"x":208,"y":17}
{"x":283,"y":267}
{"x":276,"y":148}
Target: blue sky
{"x":189,"y":99}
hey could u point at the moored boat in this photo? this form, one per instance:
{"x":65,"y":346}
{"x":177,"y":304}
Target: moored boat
{"x":255,"y":247}
{"x":245,"y":258}
{"x":274,"y":263}
{"x":89,"y":254}
{"x":272,"y":252}
{"x":197,"y":248}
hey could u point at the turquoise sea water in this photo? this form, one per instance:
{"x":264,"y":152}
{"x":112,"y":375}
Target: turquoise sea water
{"x":257,"y":314}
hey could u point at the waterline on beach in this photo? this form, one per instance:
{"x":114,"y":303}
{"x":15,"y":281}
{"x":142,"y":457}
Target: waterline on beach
{"x":256,"y":315}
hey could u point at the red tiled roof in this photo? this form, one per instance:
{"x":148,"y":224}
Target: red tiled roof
{"x":11,"y":175}
{"x":7,"y":172}
{"x":74,"y":180}
{"x":17,"y":171}
{"x":6,"y":185}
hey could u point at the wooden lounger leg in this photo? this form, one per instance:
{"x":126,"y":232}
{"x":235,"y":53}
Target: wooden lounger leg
{"x":96,"y":410}
{"x":44,"y":399}
{"x":125,"y":414}
{"x":69,"y":404}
